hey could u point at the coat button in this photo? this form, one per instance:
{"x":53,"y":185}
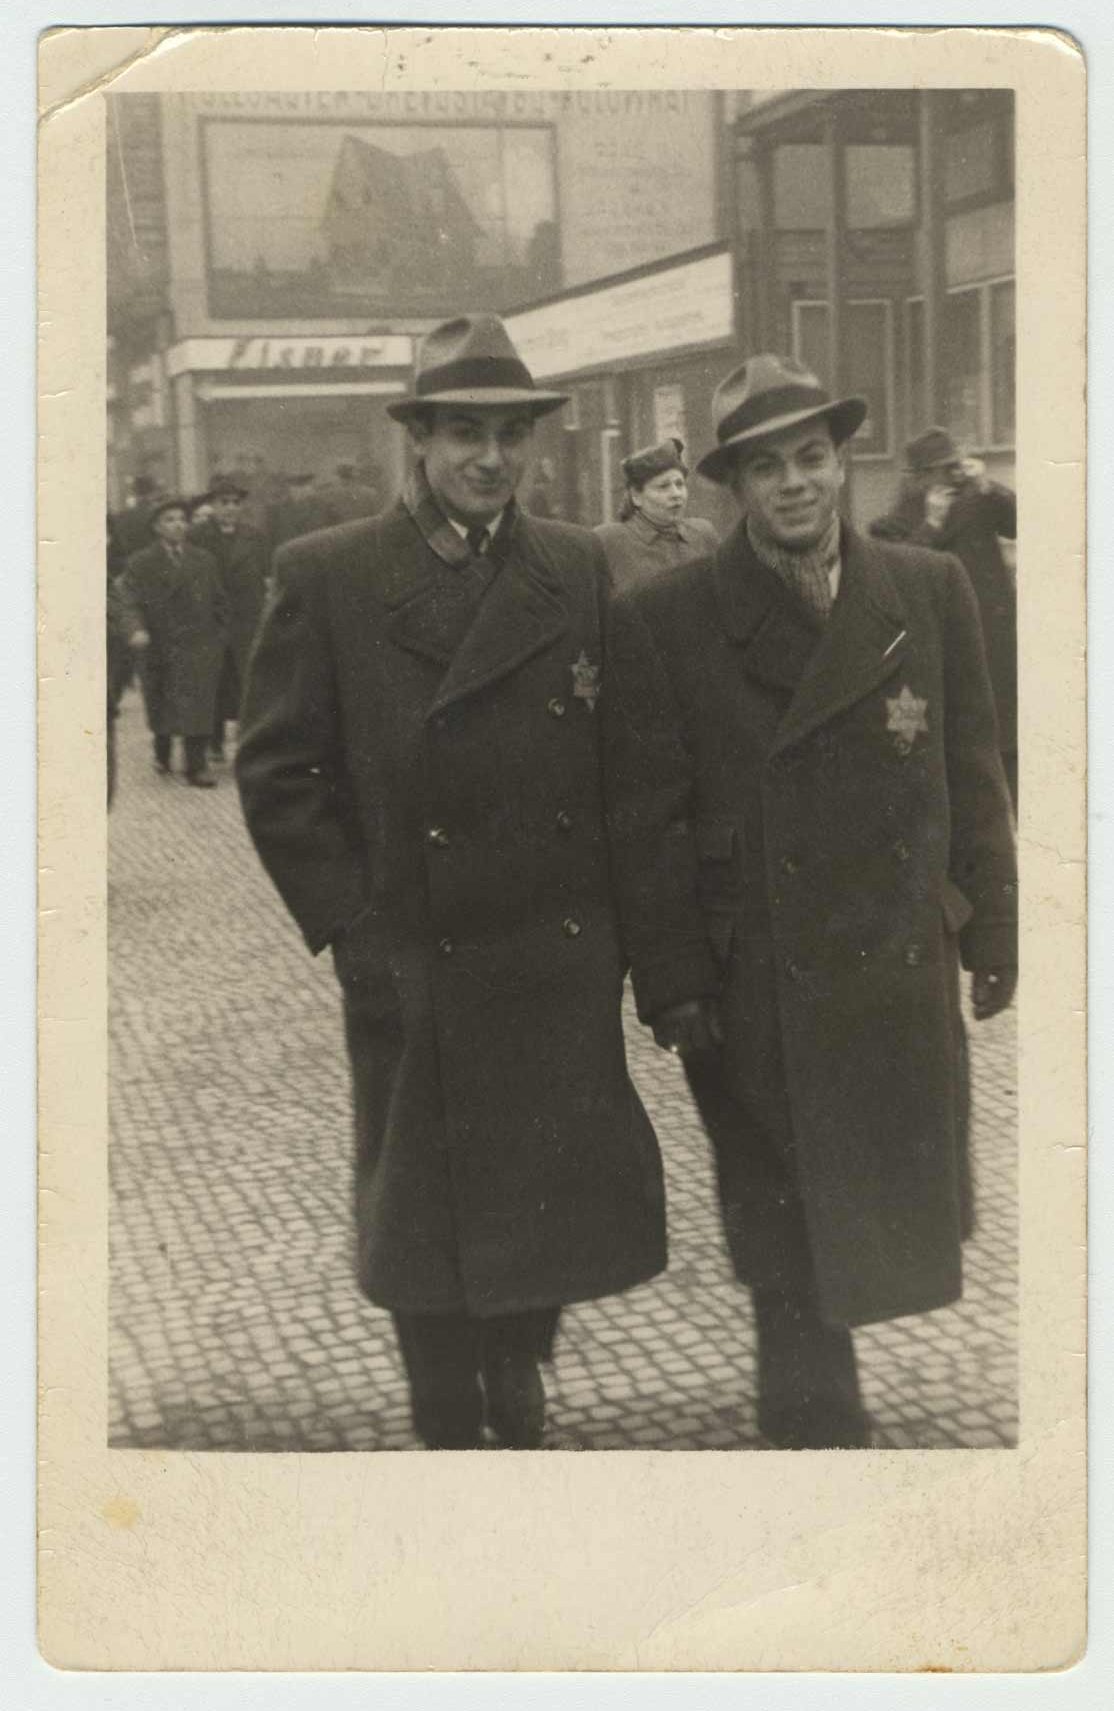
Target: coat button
{"x":793,"y":971}
{"x":902,"y":850}
{"x":564,"y":820}
{"x":446,"y":947}
{"x":913,"y":955}
{"x":438,"y":836}
{"x":556,"y":707}
{"x":570,"y":927}
{"x":790,"y":864}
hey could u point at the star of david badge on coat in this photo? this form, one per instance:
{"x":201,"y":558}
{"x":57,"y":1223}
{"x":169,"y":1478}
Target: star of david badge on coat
{"x":906,"y":718}
{"x":586,"y":681}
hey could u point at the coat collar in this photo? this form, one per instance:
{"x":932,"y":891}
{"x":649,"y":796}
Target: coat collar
{"x":437,"y":615}
{"x":864,"y":641}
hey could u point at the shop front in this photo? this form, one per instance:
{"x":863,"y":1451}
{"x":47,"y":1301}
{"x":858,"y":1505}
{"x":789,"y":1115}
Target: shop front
{"x":288,"y":413}
{"x":640,"y":355}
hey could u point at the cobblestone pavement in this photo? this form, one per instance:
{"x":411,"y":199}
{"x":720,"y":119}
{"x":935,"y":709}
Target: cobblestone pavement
{"x":235,"y":1321}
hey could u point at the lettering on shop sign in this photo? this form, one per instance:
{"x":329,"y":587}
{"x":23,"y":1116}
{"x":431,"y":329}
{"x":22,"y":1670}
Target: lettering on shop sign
{"x":271,"y":353}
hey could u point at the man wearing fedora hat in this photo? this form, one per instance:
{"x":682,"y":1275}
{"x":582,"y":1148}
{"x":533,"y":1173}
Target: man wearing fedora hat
{"x":811,"y":831}
{"x":173,"y":607}
{"x":244,"y":562}
{"x":420,"y":769}
{"x":948,"y":501}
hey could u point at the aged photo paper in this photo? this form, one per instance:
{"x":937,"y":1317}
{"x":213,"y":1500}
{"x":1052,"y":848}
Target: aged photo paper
{"x":244,"y":235}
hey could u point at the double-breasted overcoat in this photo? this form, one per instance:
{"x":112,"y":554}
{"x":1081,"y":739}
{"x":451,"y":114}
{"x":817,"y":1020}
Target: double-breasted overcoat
{"x":813,"y":821}
{"x":244,"y":560}
{"x":421,"y":775}
{"x":182,"y":605}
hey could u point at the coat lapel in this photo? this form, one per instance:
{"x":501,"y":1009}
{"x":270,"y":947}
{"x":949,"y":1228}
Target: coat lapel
{"x":431,"y":603}
{"x":521,"y":613}
{"x":776,"y":639}
{"x":863,"y":643}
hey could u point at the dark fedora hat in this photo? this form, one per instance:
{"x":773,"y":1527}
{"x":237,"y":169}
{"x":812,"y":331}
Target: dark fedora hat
{"x":641,"y":466}
{"x":767,"y":394}
{"x":224,"y":487}
{"x":173,"y":502}
{"x":471,"y":361}
{"x":933,"y":447}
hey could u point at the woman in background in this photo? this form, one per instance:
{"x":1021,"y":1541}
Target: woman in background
{"x":654,"y":534}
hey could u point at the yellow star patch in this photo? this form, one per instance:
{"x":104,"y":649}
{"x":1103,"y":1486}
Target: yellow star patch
{"x":906,"y":717}
{"x":586,"y":681}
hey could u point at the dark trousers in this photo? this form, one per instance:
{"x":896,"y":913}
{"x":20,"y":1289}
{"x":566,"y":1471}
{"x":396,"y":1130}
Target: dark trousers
{"x":453,"y":1360}
{"x":195,"y":748}
{"x":808,"y":1383}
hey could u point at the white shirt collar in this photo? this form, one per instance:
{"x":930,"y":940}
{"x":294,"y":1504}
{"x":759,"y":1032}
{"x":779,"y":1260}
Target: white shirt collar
{"x":489,"y":528}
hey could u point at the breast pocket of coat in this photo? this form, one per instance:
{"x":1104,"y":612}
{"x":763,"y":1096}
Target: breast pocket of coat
{"x":719,"y":851}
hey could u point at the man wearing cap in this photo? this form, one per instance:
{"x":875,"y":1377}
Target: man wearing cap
{"x":174,"y":612}
{"x":653,"y":533}
{"x":420,"y":770}
{"x":244,"y":563}
{"x":811,"y":831}
{"x":949,"y":502}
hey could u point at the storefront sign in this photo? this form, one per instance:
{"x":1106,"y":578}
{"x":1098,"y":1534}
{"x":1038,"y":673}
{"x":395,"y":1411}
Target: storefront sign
{"x":252,"y":354}
{"x":674,"y":308}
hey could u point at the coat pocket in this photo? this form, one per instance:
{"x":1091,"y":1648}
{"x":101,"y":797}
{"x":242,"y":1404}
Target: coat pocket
{"x":957,"y":908}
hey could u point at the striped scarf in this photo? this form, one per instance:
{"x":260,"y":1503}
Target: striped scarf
{"x":806,"y":574}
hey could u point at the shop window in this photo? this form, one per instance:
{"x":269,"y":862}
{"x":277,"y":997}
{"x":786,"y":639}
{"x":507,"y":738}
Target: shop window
{"x":1003,"y":357}
{"x":978,"y":354}
{"x":881,"y":185}
{"x":867,"y":365}
{"x":801,"y":195}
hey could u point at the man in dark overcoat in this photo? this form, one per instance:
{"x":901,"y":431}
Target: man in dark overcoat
{"x":811,"y":832}
{"x":244,"y":561}
{"x":949,"y":502}
{"x":420,"y":769}
{"x":176,"y":616}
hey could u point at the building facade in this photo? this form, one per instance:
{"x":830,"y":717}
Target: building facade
{"x":275,"y":258}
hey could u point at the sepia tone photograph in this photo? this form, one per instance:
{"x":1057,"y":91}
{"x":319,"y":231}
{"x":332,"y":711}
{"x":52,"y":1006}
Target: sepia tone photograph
{"x":541,"y":945}
{"x":725,"y":697}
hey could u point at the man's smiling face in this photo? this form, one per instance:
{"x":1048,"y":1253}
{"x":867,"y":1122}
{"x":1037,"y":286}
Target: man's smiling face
{"x":475,"y":457}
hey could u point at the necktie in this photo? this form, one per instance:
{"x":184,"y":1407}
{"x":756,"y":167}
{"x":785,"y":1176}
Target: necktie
{"x":477,"y":539}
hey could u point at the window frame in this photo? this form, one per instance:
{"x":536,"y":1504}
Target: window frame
{"x":984,"y":289}
{"x":886,"y":453}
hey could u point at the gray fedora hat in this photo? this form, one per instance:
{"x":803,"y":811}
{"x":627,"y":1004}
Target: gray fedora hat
{"x":471,"y":361}
{"x":766,"y":394}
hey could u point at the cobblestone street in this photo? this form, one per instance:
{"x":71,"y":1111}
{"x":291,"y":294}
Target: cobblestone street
{"x":235,"y":1320}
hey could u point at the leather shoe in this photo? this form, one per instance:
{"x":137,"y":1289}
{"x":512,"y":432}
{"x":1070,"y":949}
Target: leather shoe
{"x":201,"y":780}
{"x":515,"y":1400}
{"x":815,"y":1426}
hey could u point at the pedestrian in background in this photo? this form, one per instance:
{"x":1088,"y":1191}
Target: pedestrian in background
{"x":948,"y":501}
{"x":175,"y":613}
{"x":243,"y":559}
{"x":811,"y":830}
{"x":653,"y":533}
{"x":420,"y":770}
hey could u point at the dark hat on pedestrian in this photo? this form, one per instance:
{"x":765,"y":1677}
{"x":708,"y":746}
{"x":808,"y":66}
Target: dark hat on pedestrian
{"x":934,"y":446}
{"x":471,"y":361}
{"x":174,"y":502}
{"x":224,"y":487}
{"x":641,"y":466}
{"x":767,"y":394}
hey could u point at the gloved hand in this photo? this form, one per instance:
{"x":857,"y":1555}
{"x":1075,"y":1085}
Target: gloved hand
{"x":991,"y":991}
{"x":689,"y":1029}
{"x":937,"y":504}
